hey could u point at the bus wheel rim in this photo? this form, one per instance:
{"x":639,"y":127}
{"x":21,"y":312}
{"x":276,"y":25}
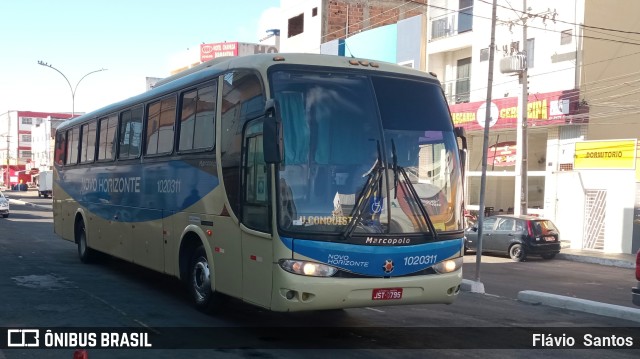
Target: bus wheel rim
{"x":200,"y":280}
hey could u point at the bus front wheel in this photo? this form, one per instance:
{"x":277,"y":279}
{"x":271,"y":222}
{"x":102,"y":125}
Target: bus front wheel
{"x":200,"y":281}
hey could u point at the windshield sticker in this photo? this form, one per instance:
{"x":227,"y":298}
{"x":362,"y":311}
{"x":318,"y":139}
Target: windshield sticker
{"x":320,"y":220}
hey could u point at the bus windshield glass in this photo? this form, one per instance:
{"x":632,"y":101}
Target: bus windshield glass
{"x":365,"y":154}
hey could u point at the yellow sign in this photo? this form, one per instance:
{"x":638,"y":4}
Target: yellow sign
{"x":605,"y":155}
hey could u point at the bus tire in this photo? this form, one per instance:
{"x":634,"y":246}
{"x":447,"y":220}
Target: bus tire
{"x":199,"y":283}
{"x":86,"y":254}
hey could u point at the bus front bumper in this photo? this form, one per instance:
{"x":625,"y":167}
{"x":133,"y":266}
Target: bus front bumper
{"x":293,"y":292}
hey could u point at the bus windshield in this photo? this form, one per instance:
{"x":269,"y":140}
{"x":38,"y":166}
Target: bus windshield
{"x":365,"y":154}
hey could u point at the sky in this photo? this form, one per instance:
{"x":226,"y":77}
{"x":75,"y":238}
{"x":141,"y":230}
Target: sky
{"x":132,"y":39}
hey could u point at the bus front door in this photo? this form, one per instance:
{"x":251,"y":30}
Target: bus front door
{"x":257,"y":244}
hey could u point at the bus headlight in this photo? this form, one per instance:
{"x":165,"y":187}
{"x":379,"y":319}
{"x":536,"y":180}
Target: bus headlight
{"x":307,"y":268}
{"x":448,"y":266}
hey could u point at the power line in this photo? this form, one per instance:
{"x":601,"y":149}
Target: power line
{"x":567,"y":22}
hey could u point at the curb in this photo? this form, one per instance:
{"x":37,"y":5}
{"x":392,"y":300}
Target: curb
{"x":581,"y":305}
{"x":597,"y":260}
{"x":472,"y":286}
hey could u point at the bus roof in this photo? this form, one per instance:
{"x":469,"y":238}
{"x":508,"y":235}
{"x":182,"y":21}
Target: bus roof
{"x":260,"y":62}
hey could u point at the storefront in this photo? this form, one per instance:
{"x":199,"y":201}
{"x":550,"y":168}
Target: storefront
{"x":552,"y":118}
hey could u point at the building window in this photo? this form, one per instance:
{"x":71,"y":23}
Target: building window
{"x":27,"y":120}
{"x":296,"y":25}
{"x":465,"y":17}
{"x":25,"y":138}
{"x":566,"y":37}
{"x":484,"y":54}
{"x":314,"y":12}
{"x":530,"y":52}
{"x":463,"y":80}
{"x":25,"y":154}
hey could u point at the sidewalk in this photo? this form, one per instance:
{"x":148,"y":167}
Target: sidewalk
{"x":577,"y":304}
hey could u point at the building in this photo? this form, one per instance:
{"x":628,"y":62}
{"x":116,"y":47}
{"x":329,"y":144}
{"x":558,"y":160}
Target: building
{"x":580,"y":58}
{"x":309,"y":24}
{"x":15,"y":143}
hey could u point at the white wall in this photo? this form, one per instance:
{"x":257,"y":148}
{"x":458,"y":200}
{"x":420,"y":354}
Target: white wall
{"x":548,"y":74}
{"x":310,"y":39}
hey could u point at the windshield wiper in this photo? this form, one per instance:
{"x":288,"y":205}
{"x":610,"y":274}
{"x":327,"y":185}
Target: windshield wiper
{"x":373,"y":181}
{"x":410,"y":188}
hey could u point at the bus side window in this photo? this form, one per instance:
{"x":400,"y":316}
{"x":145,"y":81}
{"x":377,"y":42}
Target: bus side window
{"x":197,"y":119}
{"x":61,"y":145}
{"x":130,"y":133}
{"x":88,"y":144}
{"x":161,"y":117}
{"x":107,"y":140}
{"x":73,"y":138}
{"x":243,"y":100}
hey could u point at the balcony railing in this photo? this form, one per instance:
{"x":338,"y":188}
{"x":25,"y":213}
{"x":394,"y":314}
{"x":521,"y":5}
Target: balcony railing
{"x":452,"y":24}
{"x":457,"y":91}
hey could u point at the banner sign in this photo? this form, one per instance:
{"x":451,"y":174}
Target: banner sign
{"x":552,"y":108}
{"x":617,"y":154}
{"x":212,"y":51}
{"x":502,"y":154}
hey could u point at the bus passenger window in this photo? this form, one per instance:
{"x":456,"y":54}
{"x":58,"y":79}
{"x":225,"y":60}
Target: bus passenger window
{"x":106,"y":144}
{"x":73,"y":137}
{"x":61,"y":144}
{"x":130,"y":133}
{"x":161,"y":116}
{"x":197,"y":119}
{"x":88,"y":144}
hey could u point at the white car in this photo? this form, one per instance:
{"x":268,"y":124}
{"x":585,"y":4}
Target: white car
{"x":4,"y":205}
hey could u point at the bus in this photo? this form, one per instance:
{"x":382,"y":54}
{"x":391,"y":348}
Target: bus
{"x":292,"y":182}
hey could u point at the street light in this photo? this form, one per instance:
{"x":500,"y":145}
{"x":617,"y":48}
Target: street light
{"x":73,"y":90}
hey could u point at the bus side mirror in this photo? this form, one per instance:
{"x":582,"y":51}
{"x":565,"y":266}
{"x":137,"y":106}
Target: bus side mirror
{"x":271,"y":136}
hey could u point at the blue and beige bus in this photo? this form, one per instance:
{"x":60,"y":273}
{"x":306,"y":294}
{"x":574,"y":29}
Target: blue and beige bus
{"x":290,"y":181}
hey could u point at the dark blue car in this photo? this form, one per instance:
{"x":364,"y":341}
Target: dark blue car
{"x":517,"y":236}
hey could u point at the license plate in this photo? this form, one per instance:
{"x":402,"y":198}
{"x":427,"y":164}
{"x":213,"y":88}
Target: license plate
{"x":386,"y":294}
{"x":550,"y":238}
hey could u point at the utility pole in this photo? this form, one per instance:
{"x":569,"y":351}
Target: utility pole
{"x":521,"y":136}
{"x":478,"y":286}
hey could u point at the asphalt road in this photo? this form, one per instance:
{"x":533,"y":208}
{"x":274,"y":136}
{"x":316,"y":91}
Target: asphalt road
{"x":43,"y":284}
{"x":501,"y":276}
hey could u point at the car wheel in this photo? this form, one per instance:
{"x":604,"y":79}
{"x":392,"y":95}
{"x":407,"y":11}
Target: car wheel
{"x":548,"y":255}
{"x":86,"y":254}
{"x":204,"y":297}
{"x":517,"y":252}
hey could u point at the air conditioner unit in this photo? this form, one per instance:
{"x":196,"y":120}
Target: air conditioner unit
{"x":514,"y":63}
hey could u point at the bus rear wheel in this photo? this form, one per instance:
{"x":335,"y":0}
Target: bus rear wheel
{"x":205,"y":298}
{"x":86,"y":254}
